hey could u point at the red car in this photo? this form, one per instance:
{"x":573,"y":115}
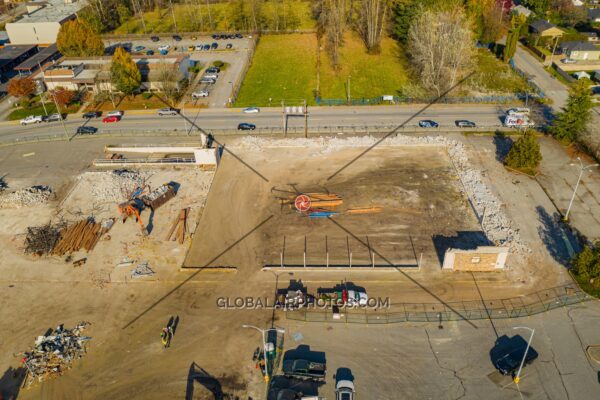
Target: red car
{"x":111,"y":118}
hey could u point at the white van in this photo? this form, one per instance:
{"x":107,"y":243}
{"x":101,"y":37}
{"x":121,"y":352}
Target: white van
{"x":518,"y":110}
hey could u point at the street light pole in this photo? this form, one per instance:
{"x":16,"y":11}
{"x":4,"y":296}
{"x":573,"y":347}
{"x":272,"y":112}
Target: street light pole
{"x":581,"y":170}
{"x":262,"y":331}
{"x":517,"y":378}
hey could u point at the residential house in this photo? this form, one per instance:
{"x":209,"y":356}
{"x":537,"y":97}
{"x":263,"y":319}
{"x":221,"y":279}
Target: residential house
{"x":594,"y":14}
{"x":580,"y":51}
{"x":591,"y":36}
{"x":545,"y":28}
{"x":522,"y":10}
{"x":82,"y":73}
{"x":581,"y":75}
{"x":43,"y":20}
{"x":577,"y":3}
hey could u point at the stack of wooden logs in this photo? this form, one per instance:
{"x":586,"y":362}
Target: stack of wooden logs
{"x":83,"y":234}
{"x":179,"y":225}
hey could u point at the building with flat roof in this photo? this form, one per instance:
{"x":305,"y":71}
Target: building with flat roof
{"x":43,"y":21}
{"x":11,"y":56}
{"x":43,"y":56}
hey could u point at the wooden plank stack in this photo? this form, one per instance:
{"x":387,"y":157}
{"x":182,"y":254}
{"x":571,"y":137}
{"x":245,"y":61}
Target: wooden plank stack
{"x":179,"y":225}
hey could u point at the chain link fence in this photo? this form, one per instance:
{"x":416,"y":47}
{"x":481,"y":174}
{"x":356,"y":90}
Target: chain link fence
{"x":492,"y":99}
{"x":516,"y":307}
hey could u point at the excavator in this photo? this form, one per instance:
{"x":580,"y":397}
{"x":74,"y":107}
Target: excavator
{"x":133,"y":207}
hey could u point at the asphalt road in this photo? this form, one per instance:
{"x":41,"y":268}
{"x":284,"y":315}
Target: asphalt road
{"x":445,"y":115}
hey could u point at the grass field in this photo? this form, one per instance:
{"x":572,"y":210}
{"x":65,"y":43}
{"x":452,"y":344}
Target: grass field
{"x":21,"y":113}
{"x":195,"y":18}
{"x":494,"y":76}
{"x":283,"y":67}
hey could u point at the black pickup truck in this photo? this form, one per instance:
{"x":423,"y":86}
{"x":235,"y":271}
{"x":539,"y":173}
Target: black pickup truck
{"x":304,"y":369}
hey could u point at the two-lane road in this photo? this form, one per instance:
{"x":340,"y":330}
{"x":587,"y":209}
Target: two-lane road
{"x":208,"y":119}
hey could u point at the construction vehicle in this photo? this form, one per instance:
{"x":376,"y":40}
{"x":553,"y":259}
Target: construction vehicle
{"x":133,"y":207}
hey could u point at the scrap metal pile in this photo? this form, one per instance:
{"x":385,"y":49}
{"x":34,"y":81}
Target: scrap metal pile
{"x":54,"y":353}
{"x":61,"y":239}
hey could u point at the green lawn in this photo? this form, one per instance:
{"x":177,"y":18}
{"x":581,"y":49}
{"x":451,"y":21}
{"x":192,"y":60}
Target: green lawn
{"x":21,"y":113}
{"x":283,"y":67}
{"x":195,"y":18}
{"x":371,"y":75}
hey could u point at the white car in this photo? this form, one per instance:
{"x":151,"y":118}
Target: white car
{"x":210,"y":76}
{"x":251,"y":110}
{"x":344,"y":390}
{"x":164,"y":47}
{"x":518,"y":110}
{"x":568,"y":61}
{"x":200,"y":94}
{"x":32,"y":119}
{"x":115,"y":113}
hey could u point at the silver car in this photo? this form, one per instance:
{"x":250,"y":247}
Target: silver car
{"x":344,"y":390}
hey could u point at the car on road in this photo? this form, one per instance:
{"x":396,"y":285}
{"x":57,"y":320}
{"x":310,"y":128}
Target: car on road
{"x":86,"y":130}
{"x":213,"y":70}
{"x":92,"y":114}
{"x":251,"y":110}
{"x":111,"y":118}
{"x":53,"y":117}
{"x":229,"y":46}
{"x":509,"y":363}
{"x":138,"y":48}
{"x":164,"y":47}
{"x":177,"y":38}
{"x":518,"y":110}
{"x":32,"y":119}
{"x":303,"y":369}
{"x":463,"y":123}
{"x":214,"y":46}
{"x":206,"y":47}
{"x":427,"y":123}
{"x":210,"y":81}
{"x":199,"y":94}
{"x":568,"y":61}
{"x":344,"y":390}
{"x":168,"y":111}
{"x":150,"y":53}
{"x":245,"y":126}
{"x":154,"y":38}
{"x":115,"y":113}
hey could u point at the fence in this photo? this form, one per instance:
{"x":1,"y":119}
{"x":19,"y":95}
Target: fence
{"x":414,"y":100}
{"x":528,"y":77}
{"x":524,"y":306}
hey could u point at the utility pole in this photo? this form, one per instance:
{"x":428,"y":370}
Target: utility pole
{"x":349,"y":76}
{"x":305,"y":119}
{"x":517,"y":377}
{"x":553,"y":50}
{"x":284,"y":121}
{"x":581,"y":169}
{"x":173,"y":15}
{"x":58,"y":110}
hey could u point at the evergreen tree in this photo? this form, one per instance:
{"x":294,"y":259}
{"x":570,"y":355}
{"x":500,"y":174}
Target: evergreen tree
{"x":586,"y":263}
{"x":512,"y":39}
{"x":77,"y":39}
{"x":125,"y":73}
{"x":525,"y":154}
{"x":571,"y":122}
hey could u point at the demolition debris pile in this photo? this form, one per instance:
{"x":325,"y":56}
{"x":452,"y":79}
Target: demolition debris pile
{"x":31,"y":196}
{"x":111,"y":186}
{"x":498,"y":227}
{"x":41,"y":240}
{"x":54,"y":353}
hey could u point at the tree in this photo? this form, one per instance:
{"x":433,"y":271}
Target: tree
{"x":586,"y":263}
{"x":512,"y":39}
{"x":492,"y":23}
{"x":372,"y":20}
{"x":21,"y":87}
{"x":441,"y":47}
{"x":125,"y":73}
{"x":62,"y":96}
{"x":77,"y":39}
{"x":525,"y":153}
{"x":572,"y":121}
{"x":169,"y":78}
{"x":332,"y":20}
{"x":540,"y":7}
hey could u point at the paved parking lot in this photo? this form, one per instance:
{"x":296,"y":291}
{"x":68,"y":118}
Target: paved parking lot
{"x":235,"y":59}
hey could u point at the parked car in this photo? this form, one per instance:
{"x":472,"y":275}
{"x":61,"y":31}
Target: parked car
{"x":115,"y":113}
{"x":154,"y":38}
{"x":198,"y":47}
{"x":568,"y":61}
{"x":200,"y":94}
{"x":177,"y":38}
{"x":251,"y":110}
{"x":168,"y":111}
{"x":518,"y":110}
{"x":150,"y":53}
{"x":214,"y":46}
{"x":508,"y":363}
{"x":229,"y":46}
{"x":222,"y":36}
{"x":138,"y":48}
{"x":245,"y":126}
{"x":112,"y":118}
{"x":463,"y":123}
{"x":210,"y":76}
{"x":344,"y":390}
{"x":238,"y":36}
{"x":213,"y":70}
{"x":215,"y":37}
{"x":32,"y":119}
{"x":427,"y":123}
{"x":304,"y":369}
{"x":92,"y":114}
{"x":206,"y":47}
{"x":191,"y":48}
{"x":164,"y":52}
{"x":164,"y":47}
{"x":53,"y":117}
{"x":86,"y":130}
{"x":210,"y":81}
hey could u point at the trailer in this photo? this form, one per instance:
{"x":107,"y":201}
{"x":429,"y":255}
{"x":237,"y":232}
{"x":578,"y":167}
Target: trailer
{"x":518,"y":121}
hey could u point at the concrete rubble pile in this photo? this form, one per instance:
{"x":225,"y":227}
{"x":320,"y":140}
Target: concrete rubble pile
{"x":113,"y":186}
{"x":497,"y":226}
{"x":31,"y":196}
{"x":54,"y":353}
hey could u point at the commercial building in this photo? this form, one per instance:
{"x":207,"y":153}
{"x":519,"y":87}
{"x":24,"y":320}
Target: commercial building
{"x":11,"y":56}
{"x":79,"y":73}
{"x":43,"y":21}
{"x":32,"y":64}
